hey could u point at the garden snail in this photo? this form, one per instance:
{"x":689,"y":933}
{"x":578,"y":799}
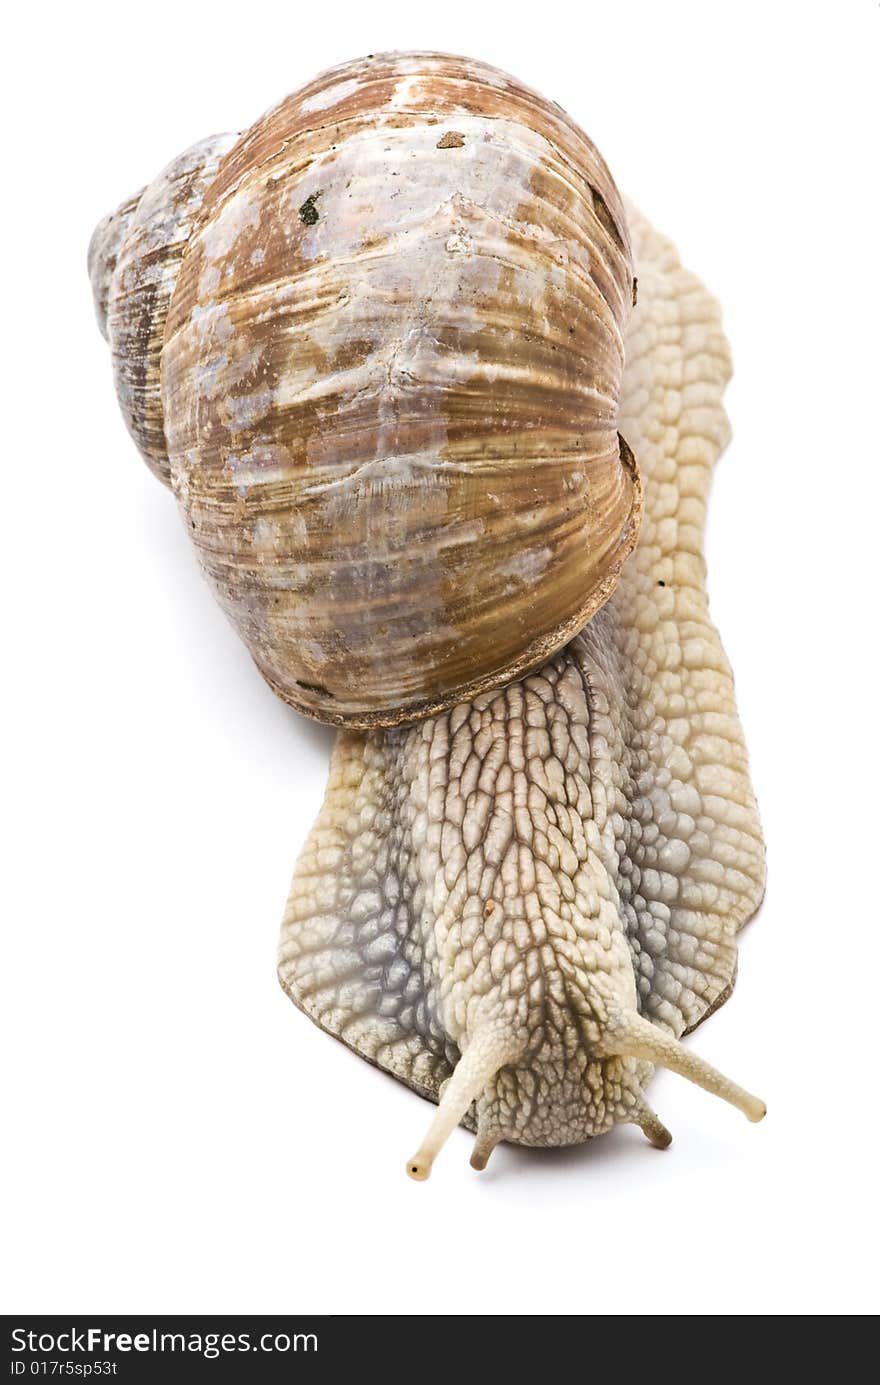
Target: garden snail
{"x":382,"y":348}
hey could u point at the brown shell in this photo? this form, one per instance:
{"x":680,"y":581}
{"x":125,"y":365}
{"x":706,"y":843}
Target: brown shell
{"x":390,"y":386}
{"x":104,"y":247}
{"x":134,"y":260}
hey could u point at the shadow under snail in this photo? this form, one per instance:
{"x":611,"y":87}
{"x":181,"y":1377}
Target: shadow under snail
{"x":385,"y":347}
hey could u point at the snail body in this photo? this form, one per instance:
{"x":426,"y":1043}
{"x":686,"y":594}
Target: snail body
{"x":383,"y":347}
{"x":518,"y":907}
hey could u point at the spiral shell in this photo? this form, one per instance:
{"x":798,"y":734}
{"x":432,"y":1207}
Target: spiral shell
{"x":107,"y":237}
{"x":390,"y":381}
{"x":134,"y":258}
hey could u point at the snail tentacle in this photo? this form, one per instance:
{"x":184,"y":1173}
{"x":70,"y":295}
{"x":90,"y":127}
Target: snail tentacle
{"x":491,"y":1049}
{"x":652,"y":1128}
{"x":483,"y":1146}
{"x":633,"y":1036}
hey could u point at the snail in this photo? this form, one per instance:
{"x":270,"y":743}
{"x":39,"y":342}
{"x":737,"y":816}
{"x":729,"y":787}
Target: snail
{"x":440,"y":412}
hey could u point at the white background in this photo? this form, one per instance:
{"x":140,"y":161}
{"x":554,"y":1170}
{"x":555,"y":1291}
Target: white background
{"x":179,"y":1137}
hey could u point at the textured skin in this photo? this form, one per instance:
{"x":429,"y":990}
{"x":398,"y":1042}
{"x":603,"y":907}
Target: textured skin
{"x":521,"y":877}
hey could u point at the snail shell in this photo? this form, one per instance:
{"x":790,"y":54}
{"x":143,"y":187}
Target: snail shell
{"x":389,"y":381}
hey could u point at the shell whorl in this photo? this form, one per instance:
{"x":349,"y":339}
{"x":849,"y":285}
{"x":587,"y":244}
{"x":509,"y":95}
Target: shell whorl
{"x":134,"y":259}
{"x":104,"y":245}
